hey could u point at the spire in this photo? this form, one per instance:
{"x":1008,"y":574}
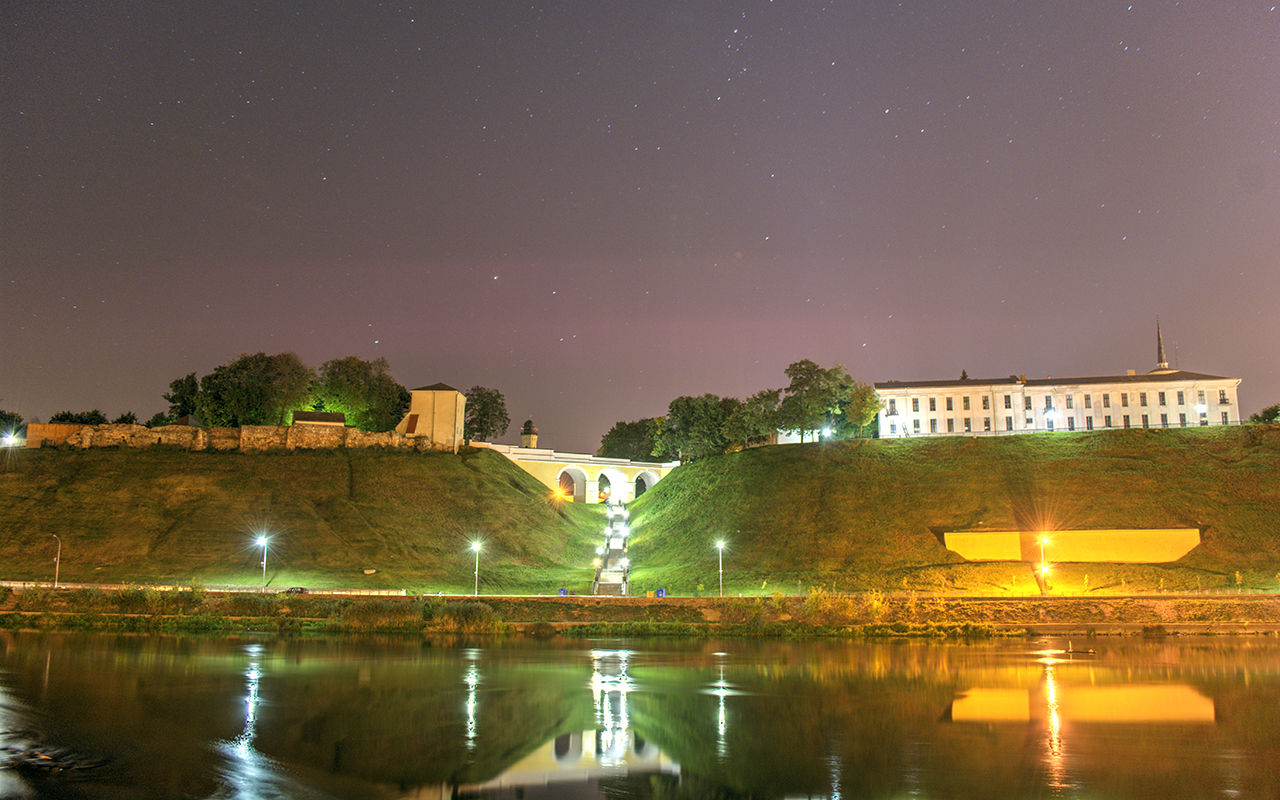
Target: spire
{"x":1161,"y":361}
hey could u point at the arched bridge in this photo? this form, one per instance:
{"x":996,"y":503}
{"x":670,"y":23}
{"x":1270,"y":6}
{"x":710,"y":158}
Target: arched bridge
{"x":586,"y":478}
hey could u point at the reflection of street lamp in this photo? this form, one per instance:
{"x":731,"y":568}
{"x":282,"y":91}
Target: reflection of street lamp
{"x":57,"y":561}
{"x":262,"y":542}
{"x":720,"y":549}
{"x":475,"y":547}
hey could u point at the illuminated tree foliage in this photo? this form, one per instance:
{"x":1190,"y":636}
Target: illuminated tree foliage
{"x":255,"y":389}
{"x":9,"y":421}
{"x":863,"y":407}
{"x":1267,"y":416}
{"x":815,"y":397}
{"x":755,"y":420}
{"x":181,"y":396}
{"x":631,"y":440}
{"x":362,"y":390}
{"x":693,"y":427}
{"x":94,"y":417}
{"x":486,"y":414}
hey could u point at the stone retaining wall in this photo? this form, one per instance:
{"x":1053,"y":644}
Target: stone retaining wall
{"x":248,"y":439}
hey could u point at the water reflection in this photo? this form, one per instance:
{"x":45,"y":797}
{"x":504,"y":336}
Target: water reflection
{"x":300,"y":718}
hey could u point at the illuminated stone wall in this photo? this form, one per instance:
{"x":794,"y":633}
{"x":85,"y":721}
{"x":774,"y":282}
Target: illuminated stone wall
{"x":248,"y":439}
{"x":1133,"y":546}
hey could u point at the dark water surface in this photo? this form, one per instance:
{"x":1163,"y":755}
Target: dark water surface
{"x":179,"y":717}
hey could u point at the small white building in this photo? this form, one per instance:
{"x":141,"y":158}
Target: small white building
{"x":1161,"y":398}
{"x":436,"y":414}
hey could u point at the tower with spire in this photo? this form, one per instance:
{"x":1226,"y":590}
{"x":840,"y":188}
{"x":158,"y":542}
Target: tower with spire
{"x":1161,"y":361}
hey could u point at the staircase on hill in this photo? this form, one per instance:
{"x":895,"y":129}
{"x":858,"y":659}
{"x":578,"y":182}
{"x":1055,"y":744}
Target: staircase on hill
{"x":613,"y":567}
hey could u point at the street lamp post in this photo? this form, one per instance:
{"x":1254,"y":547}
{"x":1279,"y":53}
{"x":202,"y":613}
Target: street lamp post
{"x":475,"y":546}
{"x":1044,"y":566}
{"x":262,"y":542}
{"x":57,"y":560}
{"x":720,"y":553}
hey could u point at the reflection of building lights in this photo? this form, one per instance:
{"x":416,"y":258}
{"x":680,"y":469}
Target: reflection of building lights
{"x":721,"y":691}
{"x":610,"y":685}
{"x":473,"y":680}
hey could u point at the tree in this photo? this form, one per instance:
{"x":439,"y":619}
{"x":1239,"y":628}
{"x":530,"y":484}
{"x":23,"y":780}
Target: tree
{"x":362,"y":390}
{"x":1267,"y":416}
{"x":10,"y":422}
{"x":755,"y":420}
{"x":255,"y":389}
{"x":814,"y":397}
{"x":693,"y":427}
{"x":486,"y":414}
{"x":182,"y":395}
{"x":158,"y":420}
{"x":964,"y":374}
{"x":127,"y":418}
{"x":864,"y":405}
{"x":94,"y":417}
{"x":630,"y":440}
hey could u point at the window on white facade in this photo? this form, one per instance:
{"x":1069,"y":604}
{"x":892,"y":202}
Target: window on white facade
{"x":1048,"y":402}
{"x":893,"y":407}
{"x":1071,"y":423}
{"x":1164,"y":420}
{"x":1008,"y":401}
{"x":1124,"y":399}
{"x":915,"y":404}
{"x":1071,"y":401}
{"x":933,"y":426}
{"x":1145,"y":421}
{"x":1106,"y":401}
{"x":1048,"y":424}
{"x":1200,"y":397}
{"x":1126,"y":420}
{"x":1182,"y":419}
{"x":1222,"y":397}
{"x":949,"y":408}
{"x":933,"y":404}
{"x":1160,"y":398}
{"x":1088,"y":401}
{"x":1142,"y":399}
{"x":1182,"y":398}
{"x":1088,"y":423}
{"x":915,"y":425}
{"x":965,"y":402}
{"x":986,"y":403}
{"x":1027,"y":402}
{"x":951,"y":424}
{"x":968,"y":424}
{"x":893,"y":428}
{"x":1225,"y":421}
{"x":1008,"y":423}
{"x":986,"y":423}
{"x":1106,"y":421}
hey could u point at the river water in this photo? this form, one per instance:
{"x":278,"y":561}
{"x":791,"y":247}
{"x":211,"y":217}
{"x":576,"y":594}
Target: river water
{"x":195,"y":717}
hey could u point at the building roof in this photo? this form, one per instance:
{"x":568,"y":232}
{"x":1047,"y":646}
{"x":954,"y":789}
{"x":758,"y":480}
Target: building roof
{"x":436,"y":387}
{"x":326,"y":417}
{"x":1159,"y":375}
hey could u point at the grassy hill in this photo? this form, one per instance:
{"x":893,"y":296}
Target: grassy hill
{"x":160,"y":515}
{"x":846,"y":515}
{"x":857,"y":515}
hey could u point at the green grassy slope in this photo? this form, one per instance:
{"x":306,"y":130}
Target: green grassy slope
{"x":869,"y":514}
{"x":161,"y":515}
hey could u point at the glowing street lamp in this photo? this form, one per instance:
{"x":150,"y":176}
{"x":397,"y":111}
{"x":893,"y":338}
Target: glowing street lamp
{"x":475,"y":547}
{"x":57,"y":561}
{"x":720,"y":553}
{"x":262,"y":542}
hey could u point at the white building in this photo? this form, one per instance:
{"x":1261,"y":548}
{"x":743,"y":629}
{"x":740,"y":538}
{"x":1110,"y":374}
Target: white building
{"x":1161,"y":398}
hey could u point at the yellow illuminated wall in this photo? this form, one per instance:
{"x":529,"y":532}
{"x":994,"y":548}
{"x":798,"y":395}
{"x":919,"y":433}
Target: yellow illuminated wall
{"x":1136,"y":546}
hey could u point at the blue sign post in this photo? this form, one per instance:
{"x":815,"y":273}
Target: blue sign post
{"x":661,"y":593}
{"x":564,"y":592}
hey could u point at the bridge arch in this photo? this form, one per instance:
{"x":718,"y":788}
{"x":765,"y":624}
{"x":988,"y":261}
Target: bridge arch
{"x":612,"y":484}
{"x":645,"y":479}
{"x":573,"y":482}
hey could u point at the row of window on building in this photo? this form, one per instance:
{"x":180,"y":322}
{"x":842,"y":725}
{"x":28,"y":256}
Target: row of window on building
{"x":1105,"y":399}
{"x":1106,"y":422}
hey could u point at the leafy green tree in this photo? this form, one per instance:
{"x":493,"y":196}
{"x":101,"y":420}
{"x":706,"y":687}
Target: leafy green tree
{"x":127,"y":418}
{"x":158,"y":420}
{"x":1267,"y":416}
{"x":863,"y":407}
{"x":755,"y":420}
{"x":362,"y":390}
{"x":10,"y":422}
{"x":255,"y":389}
{"x":94,"y":417}
{"x":631,"y":440}
{"x":486,"y":414}
{"x":693,"y":427}
{"x":815,"y":396}
{"x":182,"y":395}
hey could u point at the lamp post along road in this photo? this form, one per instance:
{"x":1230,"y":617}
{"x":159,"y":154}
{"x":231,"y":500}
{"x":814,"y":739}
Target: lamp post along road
{"x":57,"y":560}
{"x":475,"y":546}
{"x":262,"y":541}
{"x":720,"y":553}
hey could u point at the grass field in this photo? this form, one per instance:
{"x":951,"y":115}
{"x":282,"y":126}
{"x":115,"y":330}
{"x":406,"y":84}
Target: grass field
{"x":849,"y":516}
{"x":870,"y":514}
{"x":161,"y":516}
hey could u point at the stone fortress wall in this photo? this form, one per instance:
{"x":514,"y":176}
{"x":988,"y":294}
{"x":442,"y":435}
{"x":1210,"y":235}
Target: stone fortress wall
{"x":247,"y":439}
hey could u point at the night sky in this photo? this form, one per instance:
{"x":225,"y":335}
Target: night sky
{"x":597,"y":207}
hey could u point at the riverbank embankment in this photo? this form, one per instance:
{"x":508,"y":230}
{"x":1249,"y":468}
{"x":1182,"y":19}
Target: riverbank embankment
{"x":819,"y":613}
